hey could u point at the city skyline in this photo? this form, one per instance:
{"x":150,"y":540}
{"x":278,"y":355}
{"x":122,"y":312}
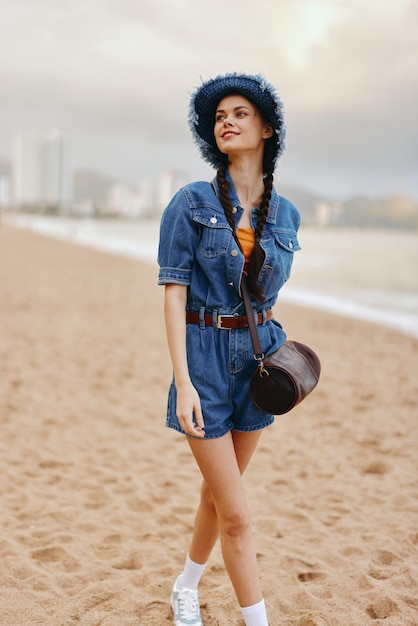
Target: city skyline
{"x":116,"y":78}
{"x":38,"y":179}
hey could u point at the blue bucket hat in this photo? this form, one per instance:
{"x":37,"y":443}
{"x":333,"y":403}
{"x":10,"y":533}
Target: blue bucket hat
{"x":206,"y":98}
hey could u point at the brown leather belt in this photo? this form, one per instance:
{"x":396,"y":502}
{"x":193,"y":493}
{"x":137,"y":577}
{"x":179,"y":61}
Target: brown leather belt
{"x":227,"y":322}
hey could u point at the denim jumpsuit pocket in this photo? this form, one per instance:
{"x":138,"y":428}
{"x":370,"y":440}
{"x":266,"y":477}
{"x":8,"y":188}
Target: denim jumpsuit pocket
{"x":215,"y":233}
{"x":218,"y":263}
{"x":287,"y":244}
{"x":279,"y":246}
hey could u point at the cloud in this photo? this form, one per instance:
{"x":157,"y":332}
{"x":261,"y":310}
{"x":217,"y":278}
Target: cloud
{"x":116,"y":75}
{"x":356,"y":108}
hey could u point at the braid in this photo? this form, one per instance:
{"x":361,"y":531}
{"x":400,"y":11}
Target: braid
{"x":257,"y":257}
{"x":224,"y":195}
{"x":264,"y":206}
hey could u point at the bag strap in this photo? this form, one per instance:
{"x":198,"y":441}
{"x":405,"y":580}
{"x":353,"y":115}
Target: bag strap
{"x":252,"y":327}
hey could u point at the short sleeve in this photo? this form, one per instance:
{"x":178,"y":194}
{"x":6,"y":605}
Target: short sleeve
{"x":177,"y":243}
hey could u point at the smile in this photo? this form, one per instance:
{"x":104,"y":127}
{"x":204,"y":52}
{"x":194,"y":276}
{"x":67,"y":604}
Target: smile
{"x":228,"y":133}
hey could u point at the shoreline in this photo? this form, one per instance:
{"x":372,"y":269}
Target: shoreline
{"x":84,"y":232}
{"x":95,"y":523}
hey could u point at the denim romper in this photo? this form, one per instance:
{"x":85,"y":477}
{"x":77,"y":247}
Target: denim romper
{"x":197,"y":249}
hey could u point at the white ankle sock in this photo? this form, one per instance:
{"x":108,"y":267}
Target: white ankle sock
{"x":191,"y":574}
{"x":255,"y":615}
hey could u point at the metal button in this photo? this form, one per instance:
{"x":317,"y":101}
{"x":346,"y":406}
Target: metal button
{"x":234,"y":253}
{"x":290,"y":244}
{"x":213,"y":220}
{"x":234,"y":209}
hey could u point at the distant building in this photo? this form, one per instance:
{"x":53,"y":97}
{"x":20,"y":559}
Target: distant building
{"x":126,"y":201}
{"x":169,"y":182}
{"x":5,"y":199}
{"x":26,"y":186}
{"x":40,"y":177}
{"x":328,"y":213}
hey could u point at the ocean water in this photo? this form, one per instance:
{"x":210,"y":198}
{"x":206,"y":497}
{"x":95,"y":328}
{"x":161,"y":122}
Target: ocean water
{"x":363,"y":274}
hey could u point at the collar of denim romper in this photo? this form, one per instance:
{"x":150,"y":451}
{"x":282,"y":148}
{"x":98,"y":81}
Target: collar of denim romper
{"x":235,"y":202}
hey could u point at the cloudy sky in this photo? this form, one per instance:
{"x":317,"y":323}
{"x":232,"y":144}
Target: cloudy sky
{"x":116,"y":75}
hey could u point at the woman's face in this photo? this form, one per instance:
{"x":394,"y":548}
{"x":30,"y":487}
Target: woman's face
{"x":239,"y":128}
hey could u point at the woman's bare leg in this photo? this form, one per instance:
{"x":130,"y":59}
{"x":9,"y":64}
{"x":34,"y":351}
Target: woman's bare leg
{"x":224,"y":510}
{"x":206,"y":529}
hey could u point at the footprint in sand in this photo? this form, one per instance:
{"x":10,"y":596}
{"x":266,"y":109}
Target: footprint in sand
{"x":378,"y":467}
{"x":381,"y":561}
{"x":309,"y":577}
{"x":385,"y":557}
{"x":56,"y":557}
{"x":154,"y":614}
{"x":130,"y":562}
{"x":382,"y":608}
{"x":308,"y":620}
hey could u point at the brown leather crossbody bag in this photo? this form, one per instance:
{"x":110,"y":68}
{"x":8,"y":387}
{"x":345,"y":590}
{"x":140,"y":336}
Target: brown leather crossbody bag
{"x":283,"y":379}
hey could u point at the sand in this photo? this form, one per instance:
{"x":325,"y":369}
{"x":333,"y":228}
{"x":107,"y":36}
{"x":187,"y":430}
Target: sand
{"x":98,"y":497}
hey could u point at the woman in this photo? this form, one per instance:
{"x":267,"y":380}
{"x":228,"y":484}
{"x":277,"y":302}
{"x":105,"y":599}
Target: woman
{"x":237,"y":123}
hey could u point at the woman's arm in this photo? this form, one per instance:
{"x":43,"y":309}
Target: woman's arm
{"x":188,"y":402}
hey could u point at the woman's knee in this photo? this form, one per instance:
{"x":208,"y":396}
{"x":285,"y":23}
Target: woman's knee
{"x":236,"y":522}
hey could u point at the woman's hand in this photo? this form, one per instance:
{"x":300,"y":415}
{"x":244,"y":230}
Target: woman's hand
{"x":188,"y":407}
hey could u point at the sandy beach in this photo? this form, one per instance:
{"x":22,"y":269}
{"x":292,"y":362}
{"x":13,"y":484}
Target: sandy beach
{"x":98,"y":497}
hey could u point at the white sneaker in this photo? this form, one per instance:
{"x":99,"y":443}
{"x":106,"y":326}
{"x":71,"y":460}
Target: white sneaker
{"x":185,"y":605}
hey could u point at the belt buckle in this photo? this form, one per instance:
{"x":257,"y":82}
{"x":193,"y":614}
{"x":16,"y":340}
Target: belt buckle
{"x":219,"y":320}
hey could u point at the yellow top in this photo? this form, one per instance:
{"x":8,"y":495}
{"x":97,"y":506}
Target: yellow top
{"x":246,"y":237}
